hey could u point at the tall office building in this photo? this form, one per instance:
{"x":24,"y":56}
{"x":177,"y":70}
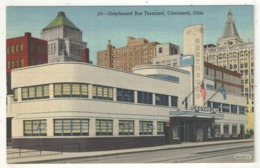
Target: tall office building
{"x":64,"y":41}
{"x":232,"y":53}
{"x":137,"y":52}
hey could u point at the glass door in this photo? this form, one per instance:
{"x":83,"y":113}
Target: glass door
{"x":184,"y":131}
{"x":199,"y":133}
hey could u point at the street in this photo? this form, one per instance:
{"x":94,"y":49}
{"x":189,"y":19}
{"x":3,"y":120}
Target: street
{"x":231,"y":153}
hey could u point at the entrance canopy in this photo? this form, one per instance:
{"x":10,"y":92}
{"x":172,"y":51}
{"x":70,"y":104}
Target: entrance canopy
{"x":193,"y":114}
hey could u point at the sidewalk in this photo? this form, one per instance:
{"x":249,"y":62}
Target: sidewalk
{"x":48,"y":155}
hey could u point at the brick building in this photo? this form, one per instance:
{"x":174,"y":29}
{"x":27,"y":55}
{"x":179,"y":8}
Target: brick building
{"x":137,"y":52}
{"x":24,"y":51}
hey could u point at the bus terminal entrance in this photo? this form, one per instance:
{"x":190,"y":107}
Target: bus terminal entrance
{"x":189,"y":126}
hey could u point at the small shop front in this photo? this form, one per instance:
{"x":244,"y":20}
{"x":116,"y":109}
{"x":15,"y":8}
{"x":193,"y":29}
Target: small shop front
{"x":191,"y":126}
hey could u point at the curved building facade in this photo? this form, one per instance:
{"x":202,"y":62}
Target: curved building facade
{"x":101,"y":109}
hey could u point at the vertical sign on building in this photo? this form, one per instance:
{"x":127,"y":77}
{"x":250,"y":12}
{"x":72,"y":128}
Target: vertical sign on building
{"x":193,"y":40}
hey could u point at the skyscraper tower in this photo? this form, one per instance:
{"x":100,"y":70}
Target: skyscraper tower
{"x":230,"y":35}
{"x":64,"y":40}
{"x":236,"y":55}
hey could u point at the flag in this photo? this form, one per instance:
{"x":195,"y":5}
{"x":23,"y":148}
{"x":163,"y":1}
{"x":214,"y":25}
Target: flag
{"x":186,"y":60}
{"x":223,"y":92}
{"x":202,"y":90}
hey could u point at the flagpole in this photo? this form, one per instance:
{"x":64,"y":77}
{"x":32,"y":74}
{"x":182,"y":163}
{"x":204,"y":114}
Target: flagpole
{"x":192,"y":92}
{"x":213,"y":95}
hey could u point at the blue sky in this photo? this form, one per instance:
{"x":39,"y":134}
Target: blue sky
{"x":97,"y":30}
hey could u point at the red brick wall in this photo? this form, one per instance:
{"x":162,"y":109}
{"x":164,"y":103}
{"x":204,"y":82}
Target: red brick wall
{"x":39,"y":56}
{"x":85,"y":55}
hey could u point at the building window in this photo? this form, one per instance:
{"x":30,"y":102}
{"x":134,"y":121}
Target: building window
{"x":226,"y":130}
{"x":104,"y":127}
{"x":165,"y":77}
{"x":126,"y":127}
{"x":209,"y":104}
{"x":125,"y":95}
{"x":160,"y":125}
{"x":242,"y":110}
{"x":16,"y":63}
{"x":8,"y":65}
{"x":21,"y":47}
{"x":234,"y":109}
{"x":234,"y":130}
{"x":217,"y":130}
{"x":217,"y":105}
{"x":12,"y":64}
{"x":102,"y":92}
{"x":35,"y":92}
{"x":21,"y":63}
{"x":70,"y":90}
{"x":161,"y":99}
{"x":146,"y":127}
{"x":174,"y":101}
{"x":246,"y":72}
{"x":71,"y":127}
{"x":145,"y":97}
{"x":8,"y":50}
{"x":35,"y":128}
{"x":16,"y":48}
{"x":160,"y":50}
{"x":225,"y":108}
{"x":31,"y":92}
{"x":12,"y":49}
{"x":15,"y":94}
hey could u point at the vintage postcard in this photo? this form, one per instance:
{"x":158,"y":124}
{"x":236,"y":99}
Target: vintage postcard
{"x":130,"y":84}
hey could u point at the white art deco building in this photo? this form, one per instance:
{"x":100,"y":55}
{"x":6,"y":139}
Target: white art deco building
{"x":100,"y":109}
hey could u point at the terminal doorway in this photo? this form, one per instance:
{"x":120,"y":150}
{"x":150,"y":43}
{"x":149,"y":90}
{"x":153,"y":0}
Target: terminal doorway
{"x":185,"y":131}
{"x":190,"y":129}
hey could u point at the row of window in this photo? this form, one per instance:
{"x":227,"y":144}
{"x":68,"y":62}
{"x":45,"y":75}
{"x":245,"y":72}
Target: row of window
{"x":98,"y":92}
{"x":80,"y":127}
{"x":15,"y":64}
{"x":227,"y":108}
{"x":38,"y":49}
{"x":33,"y":92}
{"x":230,"y":55}
{"x":20,"y":47}
{"x":70,"y":90}
{"x":14,"y":48}
{"x":226,"y":132}
{"x":166,"y":77}
{"x":217,"y":131}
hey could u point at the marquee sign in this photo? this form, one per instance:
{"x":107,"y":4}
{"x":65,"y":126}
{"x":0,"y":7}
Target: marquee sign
{"x":193,"y":40}
{"x":204,"y":109}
